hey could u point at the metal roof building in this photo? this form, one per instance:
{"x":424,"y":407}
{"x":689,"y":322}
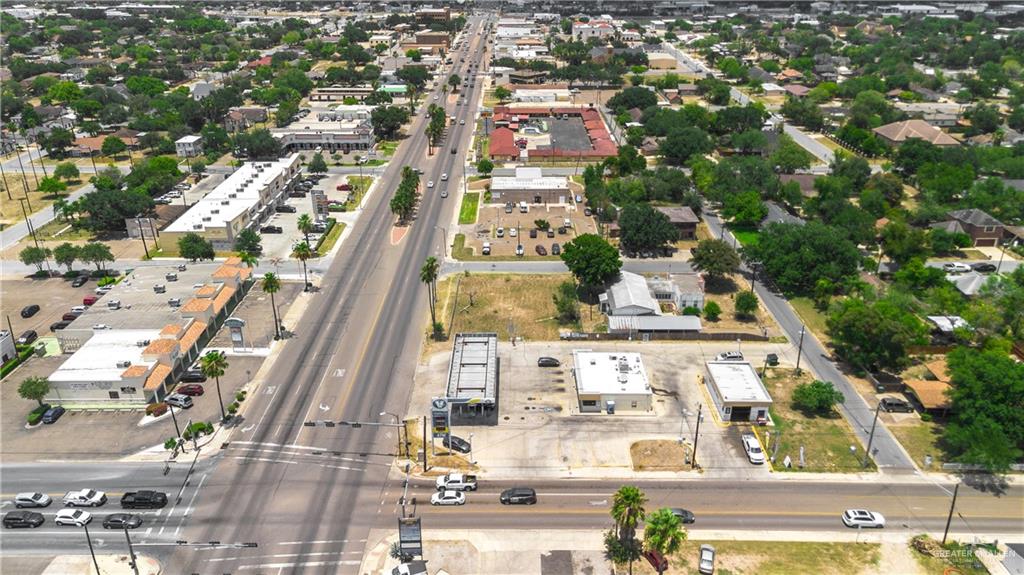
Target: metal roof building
{"x":472,"y":388}
{"x":737,"y":391}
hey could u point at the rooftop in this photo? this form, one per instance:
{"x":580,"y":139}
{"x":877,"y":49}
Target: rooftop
{"x":108,"y":356}
{"x":737,"y":381}
{"x":600,"y":372}
{"x":473,"y":371}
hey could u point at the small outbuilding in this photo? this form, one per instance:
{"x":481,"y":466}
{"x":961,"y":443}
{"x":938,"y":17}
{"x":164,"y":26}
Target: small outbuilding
{"x":737,"y":391}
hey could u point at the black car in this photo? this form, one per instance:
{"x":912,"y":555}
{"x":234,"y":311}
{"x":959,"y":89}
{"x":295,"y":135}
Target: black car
{"x":272,"y":230}
{"x":518,"y":496}
{"x":548,"y":362}
{"x":122,"y":521}
{"x":80,"y":281}
{"x":684,"y":515}
{"x":286,"y":209}
{"x":891,"y":404}
{"x":53,"y":414}
{"x":59,"y":325}
{"x":23,"y":519}
{"x":144,"y":499}
{"x":533,"y":233}
{"x":456,"y":444}
{"x":983,"y":267}
{"x":27,"y":337}
{"x":454,"y":151}
{"x":192,"y":376}
{"x":772,"y":359}
{"x":29,"y":311}
{"x":556,"y":249}
{"x":541,"y":250}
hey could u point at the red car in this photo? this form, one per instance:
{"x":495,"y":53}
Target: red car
{"x":190,"y":389}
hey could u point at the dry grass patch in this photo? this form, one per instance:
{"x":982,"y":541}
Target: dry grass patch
{"x":723,"y":292}
{"x":826,"y":439}
{"x":439,"y":463}
{"x":659,"y":455}
{"x":920,"y":438}
{"x":774,"y":558}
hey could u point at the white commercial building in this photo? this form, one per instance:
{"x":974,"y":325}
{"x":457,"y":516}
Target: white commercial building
{"x":189,"y":146}
{"x":338,"y":129}
{"x":737,"y":391}
{"x":246,"y":198}
{"x":611,"y":382}
{"x":530,"y":186}
{"x":111,"y":365}
{"x":540,"y":95}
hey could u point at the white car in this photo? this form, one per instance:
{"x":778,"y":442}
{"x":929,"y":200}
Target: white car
{"x":448,"y":498}
{"x":430,"y":184}
{"x":955,"y":268}
{"x":501,"y":232}
{"x":753,"y":449}
{"x":863,"y":518}
{"x":75,"y":517}
{"x":462,"y":122}
{"x":444,"y":177}
{"x":512,"y":232}
{"x":444,"y":193}
{"x":729,"y":356}
{"x":707,"y":560}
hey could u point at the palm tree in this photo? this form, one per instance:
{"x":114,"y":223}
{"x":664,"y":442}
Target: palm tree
{"x":272,"y":285}
{"x":628,"y":510}
{"x":303,"y":252}
{"x":214,"y":364}
{"x":248,"y":259}
{"x":305,"y":225}
{"x":428,"y":275}
{"x":664,"y":533}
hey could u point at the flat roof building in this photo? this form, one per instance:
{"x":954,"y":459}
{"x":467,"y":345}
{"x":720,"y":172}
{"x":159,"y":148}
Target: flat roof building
{"x":340,"y":128}
{"x":529,"y":185}
{"x":737,"y":391}
{"x":472,"y":389}
{"x":611,"y":382}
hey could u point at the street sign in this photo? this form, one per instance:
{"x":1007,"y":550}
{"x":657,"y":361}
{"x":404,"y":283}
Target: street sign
{"x":410,"y":536}
{"x":440,"y":417}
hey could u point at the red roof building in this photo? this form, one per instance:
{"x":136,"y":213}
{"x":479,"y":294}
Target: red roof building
{"x":503,"y":144}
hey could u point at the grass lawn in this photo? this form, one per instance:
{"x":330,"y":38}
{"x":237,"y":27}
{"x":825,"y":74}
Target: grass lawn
{"x":359,"y":186}
{"x":387,"y":147}
{"x":921,"y":438}
{"x":826,"y":439}
{"x":50,"y":231}
{"x":485,"y":147}
{"x":960,"y":560}
{"x":812,"y":318}
{"x":500,"y":301}
{"x":773,"y":558}
{"x":11,"y":208}
{"x":746,"y":236}
{"x":331,"y":238}
{"x":467,"y":212}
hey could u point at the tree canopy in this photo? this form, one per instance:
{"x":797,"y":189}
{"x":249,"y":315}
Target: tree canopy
{"x":645,"y":229}
{"x":796,"y":256}
{"x":591,"y":259}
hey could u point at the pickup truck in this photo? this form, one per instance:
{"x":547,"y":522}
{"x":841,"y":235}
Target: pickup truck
{"x":456,"y":482}
{"x":84,"y":498}
{"x":143,"y":500}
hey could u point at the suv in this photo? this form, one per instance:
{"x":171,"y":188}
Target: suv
{"x":729,"y":356}
{"x":518,"y":496}
{"x":28,"y":337}
{"x":32,"y":500}
{"x":143,"y":500}
{"x":548,"y":362}
{"x":179,"y":400}
{"x":190,"y":389}
{"x":20,"y":519}
{"x":192,"y":376}
{"x":891,"y":404}
{"x":52,"y":415}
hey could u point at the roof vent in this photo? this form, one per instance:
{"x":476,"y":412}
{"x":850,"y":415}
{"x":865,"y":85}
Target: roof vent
{"x":124,"y":364}
{"x":142,"y":343}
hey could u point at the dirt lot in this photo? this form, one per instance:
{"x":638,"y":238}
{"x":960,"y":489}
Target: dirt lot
{"x":723,"y":292}
{"x":491,"y":217}
{"x":660,"y":455}
{"x":775,"y":557}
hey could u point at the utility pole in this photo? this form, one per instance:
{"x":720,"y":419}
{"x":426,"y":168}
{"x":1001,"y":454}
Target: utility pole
{"x":425,"y":443}
{"x":131,"y":552}
{"x":7,"y":186}
{"x":91,"y":552}
{"x":175,"y":420}
{"x":142,"y":234}
{"x":800,"y":349}
{"x":696,"y":436}
{"x":871,"y":436}
{"x":949,"y":518}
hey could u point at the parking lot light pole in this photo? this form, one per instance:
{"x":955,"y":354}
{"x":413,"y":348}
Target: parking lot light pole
{"x":871,"y":435}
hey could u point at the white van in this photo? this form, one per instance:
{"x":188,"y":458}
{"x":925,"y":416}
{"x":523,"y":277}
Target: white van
{"x":486,"y":249}
{"x":523,"y":208}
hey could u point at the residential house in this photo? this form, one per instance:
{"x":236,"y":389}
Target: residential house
{"x":73,"y":75}
{"x":629,"y":296}
{"x":805,"y":181}
{"x":200,"y":90}
{"x":189,"y":146}
{"x":682,"y":290}
{"x":983,"y":228}
{"x":898,"y":132}
{"x":683,"y":219}
{"x":797,"y":90}
{"x":240,"y":119}
{"x":780,"y":215}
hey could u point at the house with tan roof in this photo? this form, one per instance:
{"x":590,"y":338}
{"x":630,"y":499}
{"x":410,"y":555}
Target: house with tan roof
{"x":898,"y":132}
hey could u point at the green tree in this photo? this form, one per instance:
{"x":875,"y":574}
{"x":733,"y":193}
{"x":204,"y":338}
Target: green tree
{"x":34,"y":388}
{"x":64,"y":92}
{"x":57,"y":142}
{"x":65,"y":254}
{"x":96,"y":253}
{"x":195,"y":247}
{"x":414,"y":55}
{"x":271,"y":285}
{"x":873,"y":202}
{"x":683,"y":143}
{"x":591,"y":259}
{"x":944,"y":243}
{"x":258,"y":144}
{"x":52,"y":186}
{"x":715,"y":258}
{"x":874,"y":335}
{"x":746,"y":304}
{"x":566,"y":303}
{"x":305,"y":226}
{"x":645,"y":229}
{"x":214,"y":364}
{"x":889,"y":185}
{"x":903,"y":243}
{"x":485,"y":166}
{"x":248,"y":242}
{"x":317,"y":165}
{"x":66,"y":171}
{"x":454,"y":81}
{"x":746,"y":209}
{"x":387,"y":120}
{"x":34,"y":256}
{"x":286,"y":111}
{"x":634,"y":97}
{"x":664,"y":533}
{"x":628,"y":511}
{"x":428,"y":275}
{"x":817,"y":396}
{"x":789,"y":156}
{"x":502,"y":93}
{"x":303,"y":252}
{"x":712,"y":311}
{"x":112,"y":146}
{"x":796,"y":257}
{"x":854,"y":169}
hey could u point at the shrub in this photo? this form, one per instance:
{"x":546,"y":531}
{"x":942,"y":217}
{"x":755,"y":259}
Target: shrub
{"x":926,"y":417}
{"x":233,"y":408}
{"x":156,"y":409}
{"x":240,"y":396}
{"x":105,"y":281}
{"x":171,"y":443}
{"x":691,"y":310}
{"x":816,"y":397}
{"x":712,"y":310}
{"x":34,"y":416}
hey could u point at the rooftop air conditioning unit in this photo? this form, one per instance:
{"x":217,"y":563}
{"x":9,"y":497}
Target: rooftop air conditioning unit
{"x":142,"y":343}
{"x":231,"y":196}
{"x":215,"y":211}
{"x":207,"y":219}
{"x":124,"y":364}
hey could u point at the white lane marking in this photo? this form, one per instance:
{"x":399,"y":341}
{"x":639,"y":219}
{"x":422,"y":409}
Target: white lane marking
{"x":148,"y":532}
{"x":249,"y":428}
{"x":307,"y":564}
{"x":283,"y":555}
{"x":339,"y":372}
{"x":322,"y":541}
{"x":188,"y":510}
{"x":324,"y":407}
{"x":316,"y":393}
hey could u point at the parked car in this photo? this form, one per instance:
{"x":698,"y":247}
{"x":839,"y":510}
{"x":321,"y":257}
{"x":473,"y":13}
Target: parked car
{"x":29,"y":311}
{"x":706,"y":564}
{"x":955,"y":267}
{"x":729,"y":356}
{"x":863,"y":518}
{"x":541,"y":250}
{"x":23,"y":520}
{"x":27,"y":337}
{"x":684,"y":515}
{"x":70,"y":316}
{"x":486,"y":249}
{"x":508,"y":207}
{"x":533,"y":233}
{"x":891,"y":404}
{"x":79,"y":281}
{"x":772,"y":359}
{"x":448,"y":497}
{"x":191,"y":390}
{"x":500,"y":232}
{"x":192,"y":376}
{"x":285,"y":209}
{"x":556,"y":249}
{"x":984,"y":267}
{"x":456,"y":443}
{"x":52,"y":415}
{"x":31,"y":499}
{"x":513,"y":232}
{"x":59,"y":325}
{"x":518,"y":496}
{"x":752,"y":447}
{"x":75,"y":517}
{"x":122,"y":521}
{"x":178,"y":400}
{"x":551,"y":233}
{"x":272,"y":230}
{"x":520,"y":250}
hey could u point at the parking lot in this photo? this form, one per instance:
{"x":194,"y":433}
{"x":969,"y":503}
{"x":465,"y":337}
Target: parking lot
{"x":496,"y":226}
{"x":279,"y":245}
{"x":54,"y":296}
{"x":540,"y":431}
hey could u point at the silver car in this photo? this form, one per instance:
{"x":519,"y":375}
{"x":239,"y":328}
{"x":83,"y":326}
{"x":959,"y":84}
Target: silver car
{"x":706,"y":566}
{"x":23,"y":500}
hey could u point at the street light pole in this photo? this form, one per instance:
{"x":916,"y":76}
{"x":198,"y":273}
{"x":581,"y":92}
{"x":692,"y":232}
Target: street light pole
{"x":175,"y":420}
{"x":800,"y":349}
{"x":949,"y":518}
{"x":696,"y":435}
{"x":131,"y":552}
{"x":871,"y":435}
{"x":397,"y":423}
{"x":471,"y":460}
{"x":91,"y":551}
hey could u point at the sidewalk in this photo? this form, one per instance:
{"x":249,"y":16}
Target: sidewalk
{"x":108,"y":564}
